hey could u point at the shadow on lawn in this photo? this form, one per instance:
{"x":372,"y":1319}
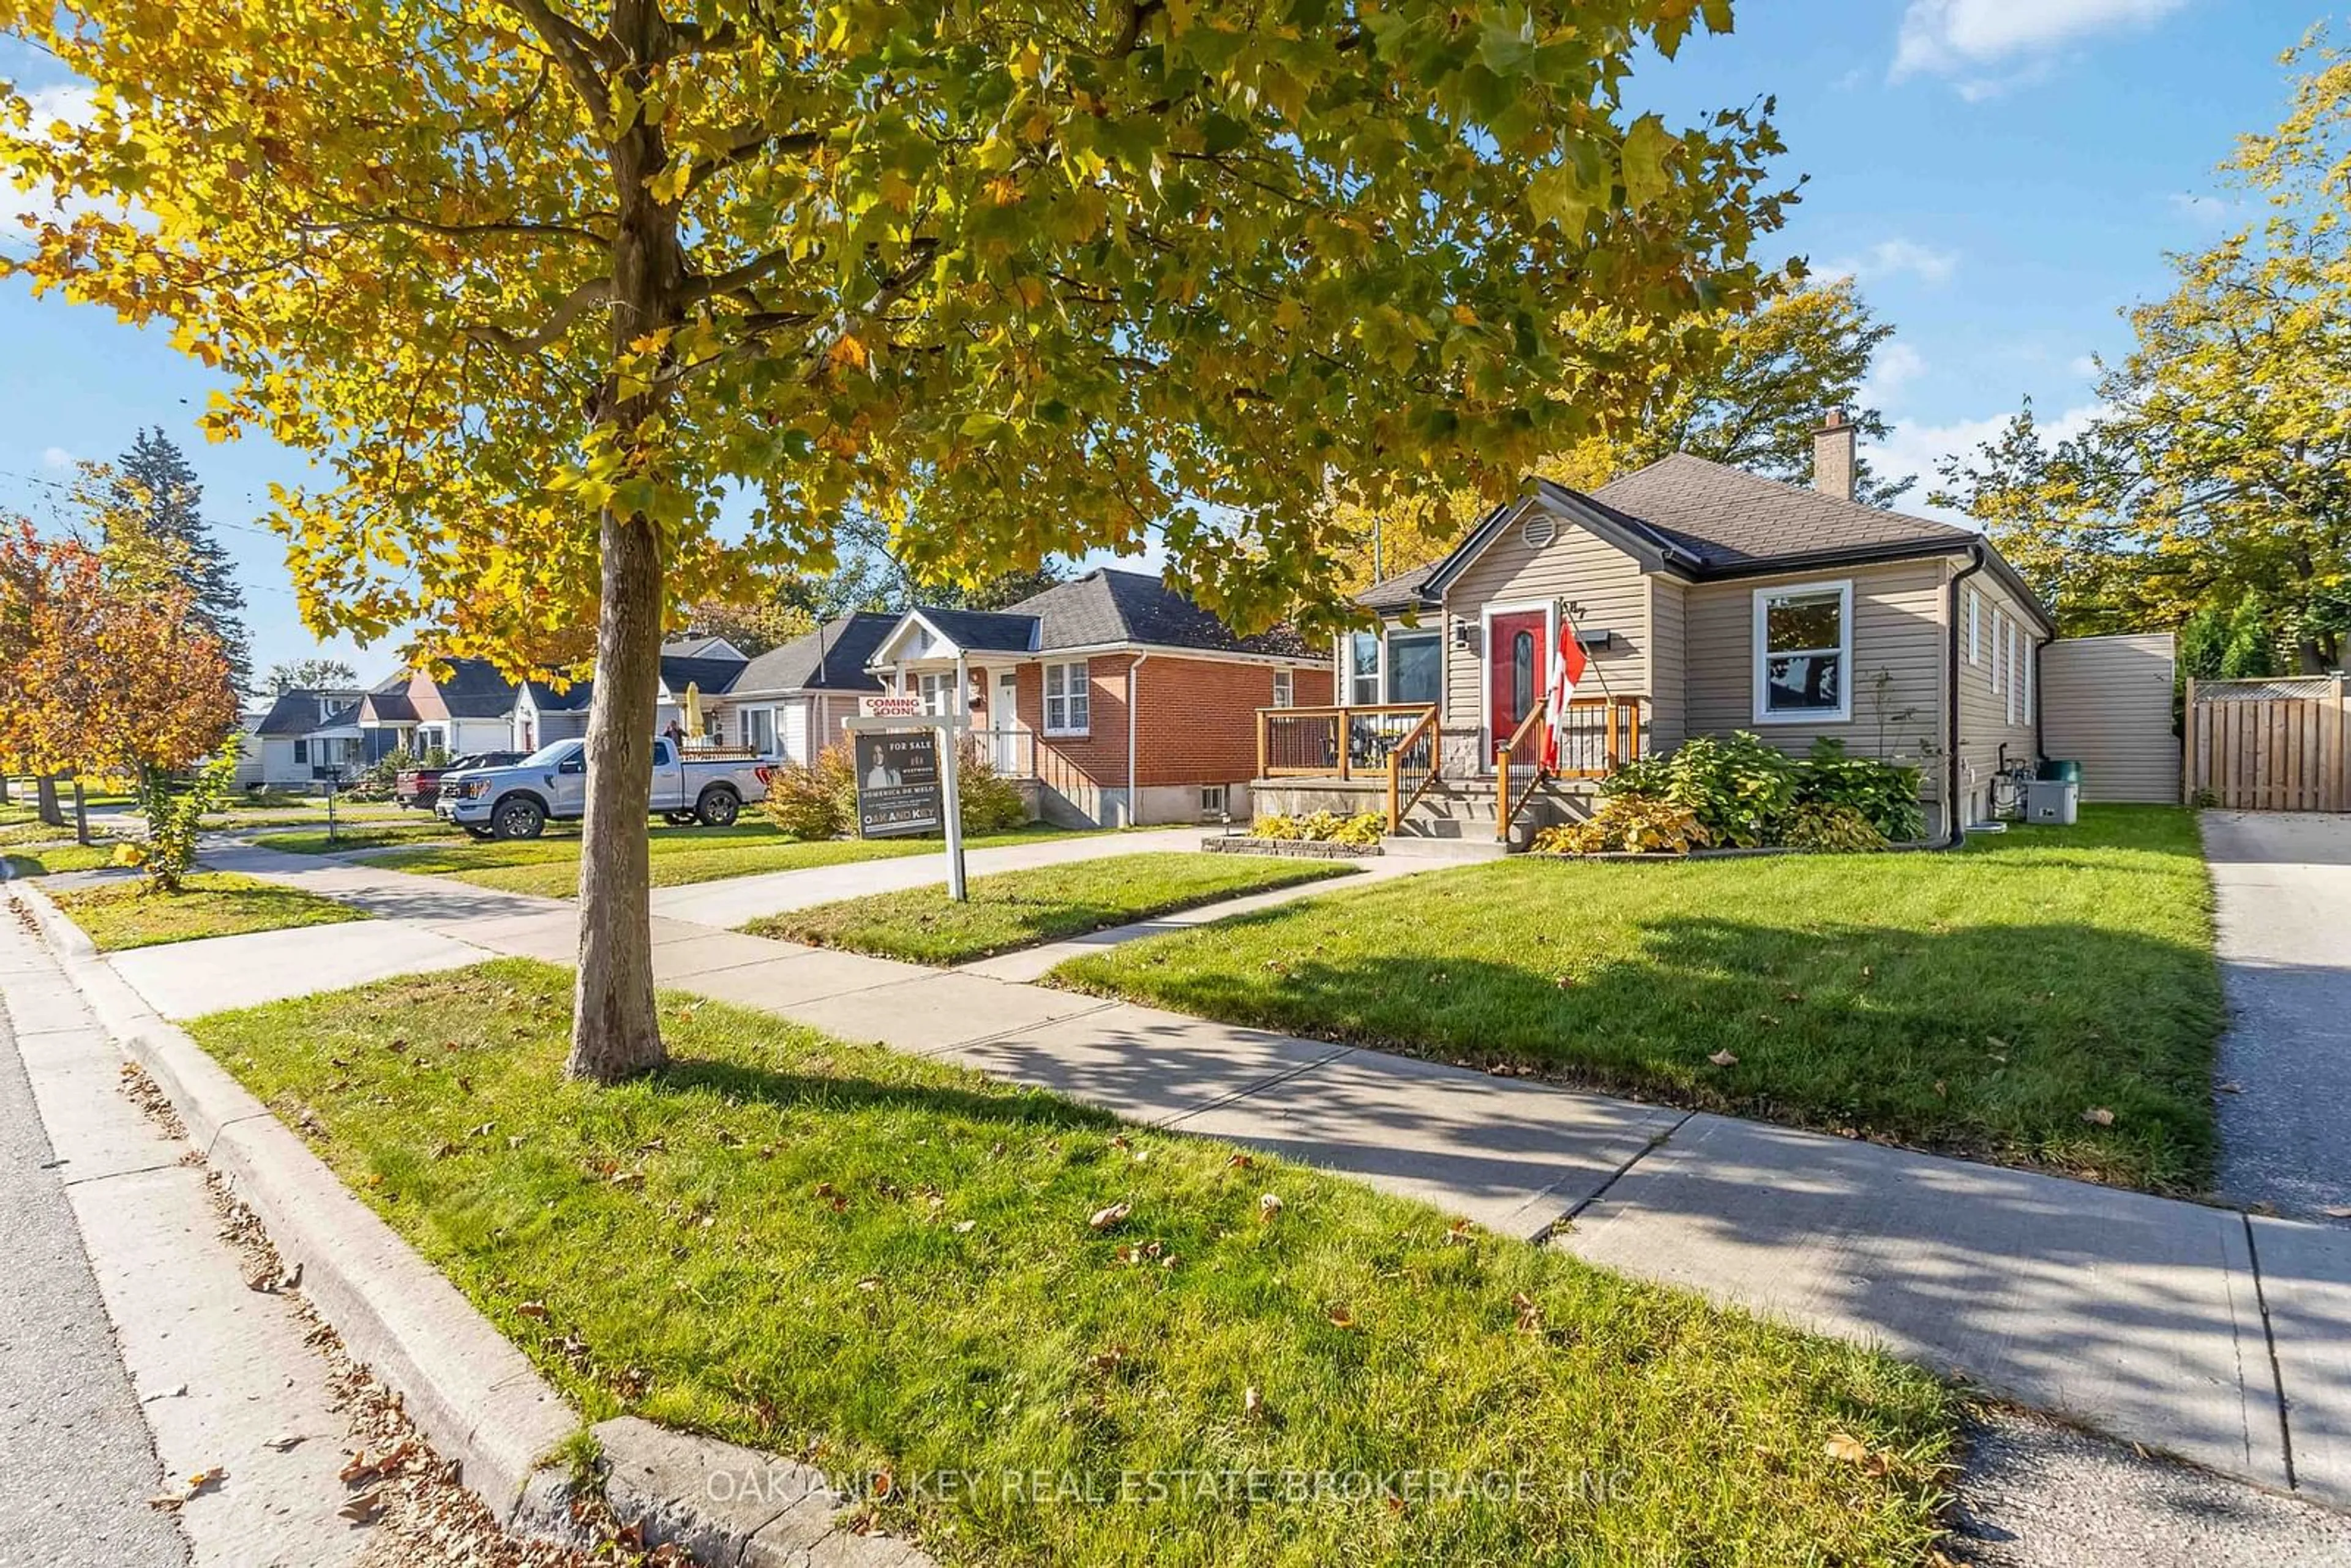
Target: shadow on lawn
{"x":1991,"y":1040}
{"x":737,"y":1081}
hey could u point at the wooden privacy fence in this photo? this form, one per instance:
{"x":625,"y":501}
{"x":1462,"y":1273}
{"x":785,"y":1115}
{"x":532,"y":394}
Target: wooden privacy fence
{"x":2268,"y":745}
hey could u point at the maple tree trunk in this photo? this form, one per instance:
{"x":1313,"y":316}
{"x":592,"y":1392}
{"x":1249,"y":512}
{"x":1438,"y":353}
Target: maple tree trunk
{"x":45,"y":794}
{"x":616,"y":1029}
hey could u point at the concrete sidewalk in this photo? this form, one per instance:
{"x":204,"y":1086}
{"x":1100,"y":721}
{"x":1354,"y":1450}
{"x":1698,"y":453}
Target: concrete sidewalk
{"x":2193,"y":1330}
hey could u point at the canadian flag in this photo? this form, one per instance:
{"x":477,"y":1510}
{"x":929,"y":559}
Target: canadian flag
{"x":1566,"y":670}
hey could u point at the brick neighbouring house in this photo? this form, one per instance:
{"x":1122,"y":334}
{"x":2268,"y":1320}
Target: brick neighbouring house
{"x":1127,"y":702}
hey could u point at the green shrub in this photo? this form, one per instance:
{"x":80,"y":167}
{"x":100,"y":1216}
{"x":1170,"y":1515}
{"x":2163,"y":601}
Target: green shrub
{"x":1739,"y":790}
{"x":991,"y":802}
{"x":1628,"y":824}
{"x":175,"y":808}
{"x":1885,"y":794}
{"x":1323,"y":827}
{"x":1821,"y":825}
{"x":1746,"y":793}
{"x":819,"y":800}
{"x":816,"y":799}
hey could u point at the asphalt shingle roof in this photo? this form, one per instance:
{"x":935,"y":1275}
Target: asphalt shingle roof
{"x":1715,"y":519}
{"x":832,"y":658}
{"x":1728,"y":517}
{"x":711,"y":677}
{"x":474,"y":689}
{"x":295,"y":712}
{"x":1106,"y":607}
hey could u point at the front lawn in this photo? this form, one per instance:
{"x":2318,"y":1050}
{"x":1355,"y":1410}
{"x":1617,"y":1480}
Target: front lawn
{"x":211,"y":904}
{"x":1993,"y":1002}
{"x":44,"y":859}
{"x":1021,"y":908}
{"x":889,"y":1264}
{"x":549,"y":866}
{"x":361,"y":836}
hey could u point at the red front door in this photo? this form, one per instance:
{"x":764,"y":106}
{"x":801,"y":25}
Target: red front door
{"x":1514,"y":674}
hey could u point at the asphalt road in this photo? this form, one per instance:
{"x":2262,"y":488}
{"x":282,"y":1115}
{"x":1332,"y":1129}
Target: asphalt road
{"x":77,"y":1464}
{"x":2282,"y":881}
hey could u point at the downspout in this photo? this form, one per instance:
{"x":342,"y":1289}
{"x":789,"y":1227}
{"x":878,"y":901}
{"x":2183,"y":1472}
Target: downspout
{"x":1957,"y":834}
{"x":2040,"y":749}
{"x":1134,"y":789}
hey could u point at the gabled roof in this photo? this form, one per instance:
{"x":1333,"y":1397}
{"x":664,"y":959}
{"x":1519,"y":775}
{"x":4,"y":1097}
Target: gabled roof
{"x":1728,"y":517}
{"x":1704,"y":520}
{"x":389,"y":704}
{"x":831,"y":658}
{"x":474,"y":689}
{"x":711,"y":677}
{"x":344,"y":717}
{"x":702,"y":648}
{"x":573,"y":698}
{"x":298,"y":711}
{"x":1104,"y":609}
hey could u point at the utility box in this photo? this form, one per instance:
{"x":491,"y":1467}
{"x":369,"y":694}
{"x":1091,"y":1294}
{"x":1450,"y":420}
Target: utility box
{"x":2053,"y":801}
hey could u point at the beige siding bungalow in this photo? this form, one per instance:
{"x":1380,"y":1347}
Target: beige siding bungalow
{"x":1707,"y":600}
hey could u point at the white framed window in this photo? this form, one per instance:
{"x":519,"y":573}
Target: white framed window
{"x":1414,"y":662}
{"x":1996,"y":622}
{"x":2008,"y":655}
{"x":1804,"y":653}
{"x":1363,"y":669}
{"x":1285,"y":688}
{"x":1212,"y":799}
{"x":759,"y":730}
{"x":1067,"y":699}
{"x":936,"y":688}
{"x":1975,"y":627}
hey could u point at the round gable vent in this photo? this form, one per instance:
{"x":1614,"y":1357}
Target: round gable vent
{"x":1539,"y":530}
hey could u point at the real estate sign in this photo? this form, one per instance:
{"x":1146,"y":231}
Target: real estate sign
{"x":897,"y":782}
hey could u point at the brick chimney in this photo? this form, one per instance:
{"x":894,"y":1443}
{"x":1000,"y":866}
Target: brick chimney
{"x":1833,"y":457}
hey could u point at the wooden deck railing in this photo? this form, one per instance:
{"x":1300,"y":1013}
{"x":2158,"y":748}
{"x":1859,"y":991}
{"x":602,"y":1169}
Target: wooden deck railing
{"x":1601,"y":734}
{"x":1412,"y":767}
{"x":1335,"y":742}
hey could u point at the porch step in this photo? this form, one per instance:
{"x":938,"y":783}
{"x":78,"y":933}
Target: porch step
{"x":1424,"y":846}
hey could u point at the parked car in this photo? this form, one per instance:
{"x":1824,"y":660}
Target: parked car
{"x":420,"y":786}
{"x":703,"y":786}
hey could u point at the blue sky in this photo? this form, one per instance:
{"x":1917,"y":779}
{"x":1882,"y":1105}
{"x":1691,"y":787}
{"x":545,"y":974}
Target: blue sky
{"x":2002,"y":177}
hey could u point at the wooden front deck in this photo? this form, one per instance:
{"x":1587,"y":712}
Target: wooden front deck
{"x":1399,"y":745}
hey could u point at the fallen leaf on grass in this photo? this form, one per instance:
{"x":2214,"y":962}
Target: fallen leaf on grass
{"x":1105,"y":1218}
{"x":1267,"y":1208}
{"x":1530,"y":1320}
{"x":532,"y":1309}
{"x":2099,"y":1115}
{"x":1845,"y":1446}
{"x":1239,"y":1161}
{"x":1341,"y":1318}
{"x":1460,"y":1233}
{"x":1252,"y":1401}
{"x":1723,"y":1058}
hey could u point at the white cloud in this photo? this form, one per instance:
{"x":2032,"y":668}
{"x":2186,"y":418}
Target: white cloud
{"x":2213,"y":214}
{"x":58,"y":457}
{"x":1966,"y":38}
{"x":2083,"y":365}
{"x":1895,"y":367}
{"x":1891,"y":258}
{"x":1919,"y":450}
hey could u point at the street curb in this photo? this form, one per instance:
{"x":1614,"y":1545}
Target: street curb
{"x":469,"y":1389}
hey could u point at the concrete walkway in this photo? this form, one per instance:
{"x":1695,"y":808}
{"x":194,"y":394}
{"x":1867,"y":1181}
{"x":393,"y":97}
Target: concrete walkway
{"x":2283,"y":881}
{"x":2196,"y":1330}
{"x":165,"y":1349}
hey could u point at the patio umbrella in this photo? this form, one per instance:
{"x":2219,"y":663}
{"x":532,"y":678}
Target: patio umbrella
{"x":693,"y":710}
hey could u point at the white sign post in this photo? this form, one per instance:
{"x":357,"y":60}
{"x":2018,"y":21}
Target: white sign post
{"x":897,"y":713}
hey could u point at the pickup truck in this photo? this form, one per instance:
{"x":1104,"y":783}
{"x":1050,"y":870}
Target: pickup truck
{"x":552,"y":785}
{"x":419,"y":787}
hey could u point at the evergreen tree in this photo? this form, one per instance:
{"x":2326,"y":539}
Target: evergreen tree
{"x":153,"y":483}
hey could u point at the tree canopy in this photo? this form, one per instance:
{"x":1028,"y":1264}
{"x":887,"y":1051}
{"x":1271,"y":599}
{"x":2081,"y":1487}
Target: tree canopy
{"x":591,"y":310}
{"x":2217,"y":478}
{"x":1745,"y":388}
{"x":307,"y":674}
{"x":152,"y":486}
{"x":108,"y":673}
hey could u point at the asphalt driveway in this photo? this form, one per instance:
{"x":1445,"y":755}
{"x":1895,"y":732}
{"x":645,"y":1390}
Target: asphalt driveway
{"x":2284,"y":883}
